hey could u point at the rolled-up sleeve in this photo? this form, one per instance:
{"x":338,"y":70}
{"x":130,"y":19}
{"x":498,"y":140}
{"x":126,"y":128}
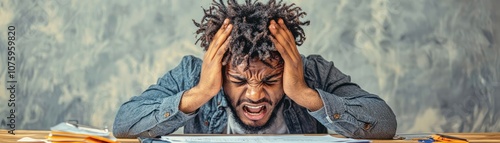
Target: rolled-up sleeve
{"x":156,"y":111}
{"x":348,"y":109}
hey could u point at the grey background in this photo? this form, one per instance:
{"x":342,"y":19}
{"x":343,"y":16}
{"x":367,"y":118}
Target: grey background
{"x":435,"y":62}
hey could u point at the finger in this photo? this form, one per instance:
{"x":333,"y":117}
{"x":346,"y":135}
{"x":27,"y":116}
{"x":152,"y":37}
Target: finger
{"x":280,"y":37}
{"x":220,"y":40}
{"x":281,"y":49}
{"x":222,"y":50}
{"x":221,"y":30}
{"x":278,"y":34}
{"x":290,"y":38}
{"x":289,"y":35}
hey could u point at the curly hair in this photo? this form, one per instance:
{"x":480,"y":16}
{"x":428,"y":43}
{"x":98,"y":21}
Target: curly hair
{"x":250,"y":34}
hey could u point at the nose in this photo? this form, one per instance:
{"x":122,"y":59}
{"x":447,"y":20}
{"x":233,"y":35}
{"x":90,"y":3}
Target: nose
{"x":255,"y":93}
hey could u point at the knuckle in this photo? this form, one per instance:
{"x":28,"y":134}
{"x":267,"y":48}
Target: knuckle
{"x":227,"y":32}
{"x":216,"y":45}
{"x":220,"y":53}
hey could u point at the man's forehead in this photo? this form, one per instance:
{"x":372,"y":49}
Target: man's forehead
{"x":257,"y":64}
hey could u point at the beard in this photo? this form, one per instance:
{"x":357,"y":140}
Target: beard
{"x":255,"y":129}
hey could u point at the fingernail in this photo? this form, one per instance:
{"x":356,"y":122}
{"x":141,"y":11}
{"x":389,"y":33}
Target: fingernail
{"x":229,"y":27}
{"x":272,"y":26}
{"x":226,"y":21}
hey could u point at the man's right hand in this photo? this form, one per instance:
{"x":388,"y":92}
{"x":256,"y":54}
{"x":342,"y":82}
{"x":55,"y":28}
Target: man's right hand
{"x":211,"y":76}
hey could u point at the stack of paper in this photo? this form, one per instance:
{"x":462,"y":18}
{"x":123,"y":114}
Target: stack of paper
{"x":64,"y":137}
{"x":256,"y":139}
{"x":66,"y":132}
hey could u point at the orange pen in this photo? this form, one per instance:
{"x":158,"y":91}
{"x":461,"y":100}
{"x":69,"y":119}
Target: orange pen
{"x":447,"y":138}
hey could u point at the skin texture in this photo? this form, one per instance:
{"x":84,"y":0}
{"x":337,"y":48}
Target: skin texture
{"x":257,"y":84}
{"x":294,"y":84}
{"x":260,"y":84}
{"x":210,"y":76}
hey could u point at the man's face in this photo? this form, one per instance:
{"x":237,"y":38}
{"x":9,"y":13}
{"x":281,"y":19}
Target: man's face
{"x":254,"y":93}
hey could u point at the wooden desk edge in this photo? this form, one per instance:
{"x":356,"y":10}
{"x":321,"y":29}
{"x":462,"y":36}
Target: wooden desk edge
{"x":41,"y":134}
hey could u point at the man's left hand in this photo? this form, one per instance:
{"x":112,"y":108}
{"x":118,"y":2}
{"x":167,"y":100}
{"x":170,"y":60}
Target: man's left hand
{"x":294,"y":84}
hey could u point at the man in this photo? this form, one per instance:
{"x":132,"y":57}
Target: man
{"x":252,"y":79}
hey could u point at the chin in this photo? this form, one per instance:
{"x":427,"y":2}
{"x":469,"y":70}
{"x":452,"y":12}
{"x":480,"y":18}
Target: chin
{"x":259,"y":123}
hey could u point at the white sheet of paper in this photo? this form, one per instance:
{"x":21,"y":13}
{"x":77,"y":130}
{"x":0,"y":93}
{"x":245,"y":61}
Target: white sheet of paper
{"x":260,"y":139}
{"x":32,"y":140}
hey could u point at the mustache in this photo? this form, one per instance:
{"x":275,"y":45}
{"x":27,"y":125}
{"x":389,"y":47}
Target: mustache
{"x":254,"y":102}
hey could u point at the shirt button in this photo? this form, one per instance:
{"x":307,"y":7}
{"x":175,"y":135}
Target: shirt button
{"x":336,"y":116}
{"x":206,"y":123}
{"x":167,"y":114}
{"x":367,"y":126}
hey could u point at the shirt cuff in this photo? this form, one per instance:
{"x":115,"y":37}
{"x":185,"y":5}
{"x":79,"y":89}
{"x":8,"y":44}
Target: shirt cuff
{"x":334,"y":114}
{"x":333,"y":107}
{"x":169,"y":111}
{"x":320,"y":113}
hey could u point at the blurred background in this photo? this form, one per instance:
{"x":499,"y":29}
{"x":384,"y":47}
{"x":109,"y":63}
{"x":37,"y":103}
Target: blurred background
{"x":436,"y":63}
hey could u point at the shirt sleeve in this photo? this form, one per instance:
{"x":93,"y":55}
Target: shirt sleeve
{"x":348,"y":109}
{"x":156,"y":111}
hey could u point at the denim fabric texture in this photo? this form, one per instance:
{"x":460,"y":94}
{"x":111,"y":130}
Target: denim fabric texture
{"x":348,"y":109}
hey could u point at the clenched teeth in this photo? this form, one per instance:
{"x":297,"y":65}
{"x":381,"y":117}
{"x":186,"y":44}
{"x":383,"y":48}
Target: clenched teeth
{"x":254,"y":107}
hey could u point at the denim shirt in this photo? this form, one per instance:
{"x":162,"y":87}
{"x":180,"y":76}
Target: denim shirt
{"x":348,"y":109}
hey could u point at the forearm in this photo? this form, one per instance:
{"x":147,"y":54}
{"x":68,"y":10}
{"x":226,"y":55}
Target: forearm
{"x":149,"y":118}
{"x":308,"y":98}
{"x":156,"y":111}
{"x":363,"y":116}
{"x":347,"y":109}
{"x":193,"y":99}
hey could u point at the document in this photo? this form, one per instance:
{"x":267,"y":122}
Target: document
{"x":260,"y":139}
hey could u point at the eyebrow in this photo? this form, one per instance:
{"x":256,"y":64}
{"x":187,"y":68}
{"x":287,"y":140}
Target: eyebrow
{"x":264,"y":79}
{"x":237,"y":77}
{"x":271,"y":76}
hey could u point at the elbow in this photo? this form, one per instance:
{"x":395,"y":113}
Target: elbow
{"x":381,"y":131}
{"x":386,"y":124}
{"x":384,"y":129}
{"x":122,"y":126}
{"x":390,"y":125}
{"x":119,"y":134}
{"x":121,"y":131}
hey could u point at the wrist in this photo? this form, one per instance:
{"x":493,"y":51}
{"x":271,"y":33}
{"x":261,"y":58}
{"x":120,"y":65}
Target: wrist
{"x":193,"y":99}
{"x":301,"y":91}
{"x":309,"y":98}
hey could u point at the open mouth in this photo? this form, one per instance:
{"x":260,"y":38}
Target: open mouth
{"x":254,"y":112}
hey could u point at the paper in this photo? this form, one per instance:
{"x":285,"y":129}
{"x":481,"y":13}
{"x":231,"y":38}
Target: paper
{"x":66,"y":127}
{"x":32,"y":140}
{"x":260,"y":139}
{"x":66,"y":132}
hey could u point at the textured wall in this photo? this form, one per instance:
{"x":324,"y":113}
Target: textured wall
{"x":436,"y":63}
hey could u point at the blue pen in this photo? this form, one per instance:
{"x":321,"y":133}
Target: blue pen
{"x":430,"y":140}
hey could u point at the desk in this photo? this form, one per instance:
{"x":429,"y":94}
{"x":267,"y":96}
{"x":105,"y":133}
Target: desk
{"x":40,"y":134}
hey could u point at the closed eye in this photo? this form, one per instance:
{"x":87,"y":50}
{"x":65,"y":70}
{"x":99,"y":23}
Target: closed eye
{"x":238,"y":80}
{"x":270,"y":82}
{"x":271,"y":79}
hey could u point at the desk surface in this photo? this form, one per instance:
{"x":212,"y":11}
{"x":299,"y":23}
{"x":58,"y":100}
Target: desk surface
{"x":40,"y":134}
